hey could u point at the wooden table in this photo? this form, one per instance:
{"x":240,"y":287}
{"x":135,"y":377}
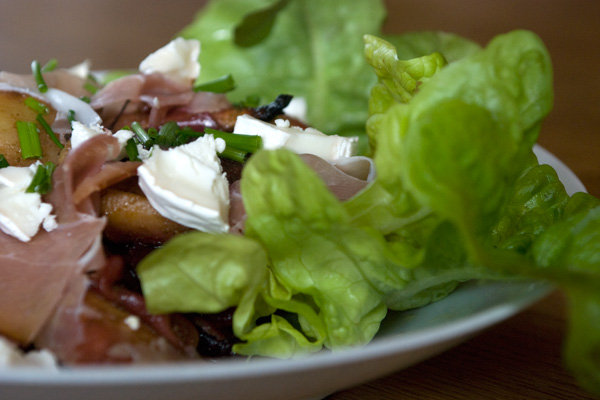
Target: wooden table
{"x":517,"y":359}
{"x":521,"y":357}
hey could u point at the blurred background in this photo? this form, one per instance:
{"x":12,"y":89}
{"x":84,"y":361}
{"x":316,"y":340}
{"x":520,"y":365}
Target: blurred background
{"x":120,"y":33}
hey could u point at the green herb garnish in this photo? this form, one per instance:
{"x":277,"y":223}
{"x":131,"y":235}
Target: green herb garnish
{"x":248,"y":143}
{"x":37,"y":75}
{"x":29,"y":139}
{"x":36,"y":106}
{"x":132,"y":151}
{"x":50,"y":65}
{"x":3,"y":161}
{"x":142,"y":135}
{"x":42,"y":180}
{"x":222,"y":84}
{"x":90,"y":87}
{"x":71,"y":115}
{"x":40,"y":119}
{"x":234,"y":154}
{"x":172,"y":135}
{"x":167,"y":135}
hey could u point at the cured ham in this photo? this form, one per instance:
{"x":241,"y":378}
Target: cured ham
{"x":87,"y":326}
{"x":158,"y":94}
{"x":36,"y":274}
{"x":74,"y":290}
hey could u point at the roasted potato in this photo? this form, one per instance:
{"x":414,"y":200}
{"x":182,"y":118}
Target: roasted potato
{"x":13,"y":109}
{"x":131,"y":219}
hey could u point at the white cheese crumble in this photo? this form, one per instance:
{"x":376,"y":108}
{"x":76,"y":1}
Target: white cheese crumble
{"x":186,"y":184}
{"x":178,"y":60}
{"x":12,"y":356}
{"x":309,"y":140}
{"x":297,"y":108}
{"x":81,"y":70}
{"x":133,"y":322}
{"x":21,"y":213}
{"x":81,"y":133}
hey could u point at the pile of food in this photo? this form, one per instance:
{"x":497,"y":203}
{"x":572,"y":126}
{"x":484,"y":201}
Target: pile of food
{"x":167,"y":214}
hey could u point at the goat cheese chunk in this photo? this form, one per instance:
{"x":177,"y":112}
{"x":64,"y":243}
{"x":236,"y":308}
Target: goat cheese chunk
{"x":178,"y":60}
{"x":186,"y":184}
{"x":12,"y":356}
{"x":296,"y":139}
{"x":80,"y":133}
{"x":22,"y":213}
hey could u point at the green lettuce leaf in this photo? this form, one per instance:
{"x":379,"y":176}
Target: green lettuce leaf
{"x":422,"y":43}
{"x":385,"y":205}
{"x":312,"y":50}
{"x":451,"y":161}
{"x":463,"y":149}
{"x":569,"y":254}
{"x":205,"y":273}
{"x":342,"y":272}
{"x":462,"y":142}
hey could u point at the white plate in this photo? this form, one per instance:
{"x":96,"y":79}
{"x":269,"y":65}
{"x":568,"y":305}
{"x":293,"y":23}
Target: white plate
{"x":405,"y":338}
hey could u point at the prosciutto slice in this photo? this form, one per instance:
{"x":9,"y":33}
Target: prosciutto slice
{"x":158,"y":93}
{"x":89,"y":322}
{"x":35,"y":276}
{"x":344,"y":182}
{"x":61,"y":79}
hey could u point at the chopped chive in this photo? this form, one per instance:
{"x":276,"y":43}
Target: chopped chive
{"x":249,"y":143}
{"x":234,"y":154}
{"x":222,"y":84}
{"x":85,"y":99}
{"x":167,"y":134}
{"x":42,"y":180}
{"x":132,"y":151}
{"x":142,"y":135}
{"x":40,"y":119}
{"x":90,"y":87}
{"x":37,"y":74}
{"x":190,"y":133}
{"x":29,"y":139}
{"x":3,"y":161}
{"x":50,"y":65}
{"x":92,"y":77}
{"x":71,"y":115}
{"x":36,"y":106}
{"x":152,"y":132}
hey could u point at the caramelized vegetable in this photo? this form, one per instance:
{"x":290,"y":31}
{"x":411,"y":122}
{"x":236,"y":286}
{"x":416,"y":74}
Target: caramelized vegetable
{"x":132,"y":219}
{"x":13,"y":109}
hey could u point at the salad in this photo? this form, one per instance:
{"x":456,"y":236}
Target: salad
{"x":185,"y":210}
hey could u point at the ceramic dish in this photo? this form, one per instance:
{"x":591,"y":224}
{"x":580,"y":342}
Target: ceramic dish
{"x":405,"y":338}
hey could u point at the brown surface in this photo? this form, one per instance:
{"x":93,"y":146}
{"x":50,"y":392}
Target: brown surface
{"x":517,"y":359}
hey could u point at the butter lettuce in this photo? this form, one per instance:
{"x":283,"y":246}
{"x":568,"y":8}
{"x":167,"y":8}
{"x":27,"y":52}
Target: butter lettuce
{"x":313,"y":50}
{"x":309,"y":48}
{"x":459,"y":193}
{"x":204,"y":273}
{"x":341,"y":271}
{"x":461,"y":147}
